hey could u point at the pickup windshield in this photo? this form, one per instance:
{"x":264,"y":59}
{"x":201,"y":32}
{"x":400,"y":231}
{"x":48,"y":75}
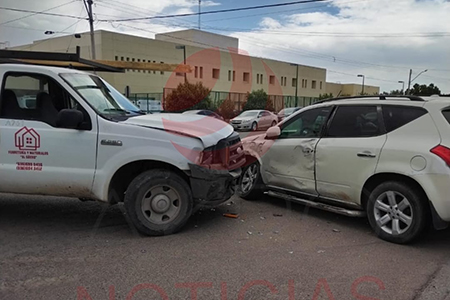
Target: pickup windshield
{"x":96,"y":93}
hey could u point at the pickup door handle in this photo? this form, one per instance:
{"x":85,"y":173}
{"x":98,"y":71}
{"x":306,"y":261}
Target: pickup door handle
{"x":366,"y":154}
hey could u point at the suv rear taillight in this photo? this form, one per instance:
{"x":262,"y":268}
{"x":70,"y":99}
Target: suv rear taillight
{"x":442,"y":152}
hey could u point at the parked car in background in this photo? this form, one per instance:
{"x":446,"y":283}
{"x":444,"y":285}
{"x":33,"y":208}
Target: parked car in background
{"x":204,"y":112}
{"x":254,"y":120}
{"x":384,"y":157}
{"x":286,"y":112}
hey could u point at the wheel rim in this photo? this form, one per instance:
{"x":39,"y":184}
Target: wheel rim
{"x":249,"y":178}
{"x":161,"y":204}
{"x":393,"y":213}
{"x":254,"y":127}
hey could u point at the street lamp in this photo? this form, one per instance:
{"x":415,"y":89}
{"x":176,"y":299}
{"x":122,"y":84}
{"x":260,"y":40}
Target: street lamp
{"x":403,"y":86}
{"x":184,"y":58}
{"x":363,"y":77}
{"x":412,"y":80}
{"x":296,"y":85}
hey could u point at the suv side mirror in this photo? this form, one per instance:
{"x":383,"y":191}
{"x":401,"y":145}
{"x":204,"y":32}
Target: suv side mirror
{"x":69,"y":118}
{"x":273,"y":132}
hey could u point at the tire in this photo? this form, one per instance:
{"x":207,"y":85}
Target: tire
{"x":255,"y":191}
{"x":403,"y":221}
{"x":158,"y":202}
{"x":273,"y":123}
{"x":254,"y":126}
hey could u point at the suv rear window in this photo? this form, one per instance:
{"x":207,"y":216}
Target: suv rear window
{"x":446,"y":114}
{"x":398,"y":116}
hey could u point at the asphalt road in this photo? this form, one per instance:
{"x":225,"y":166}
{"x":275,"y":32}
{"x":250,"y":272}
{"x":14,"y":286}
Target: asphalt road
{"x":60,"y":248}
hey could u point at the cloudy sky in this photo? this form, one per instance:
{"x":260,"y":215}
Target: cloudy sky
{"x":381,"y":39}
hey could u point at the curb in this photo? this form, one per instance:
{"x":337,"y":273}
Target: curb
{"x":438,"y":287}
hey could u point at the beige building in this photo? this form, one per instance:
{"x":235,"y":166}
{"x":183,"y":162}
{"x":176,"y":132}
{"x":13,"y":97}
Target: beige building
{"x":214,"y":60}
{"x":351,"y":89}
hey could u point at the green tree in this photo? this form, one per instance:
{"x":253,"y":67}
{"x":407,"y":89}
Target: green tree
{"x":258,"y":100}
{"x":188,"y":96}
{"x":424,"y":90}
{"x":393,"y":92}
{"x":325,"y":96}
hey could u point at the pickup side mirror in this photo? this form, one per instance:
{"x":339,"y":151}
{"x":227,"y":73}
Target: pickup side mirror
{"x":69,"y":118}
{"x":273,"y":132}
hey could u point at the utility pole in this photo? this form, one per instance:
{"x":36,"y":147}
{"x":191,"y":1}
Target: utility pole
{"x":363,"y":79}
{"x":296,"y":84}
{"x":409,"y":81}
{"x":88,"y":6}
{"x":199,"y":14}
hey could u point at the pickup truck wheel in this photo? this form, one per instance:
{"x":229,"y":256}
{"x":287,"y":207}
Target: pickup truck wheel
{"x":254,"y":126}
{"x":158,"y":202}
{"x":396,"y":212}
{"x":250,"y":183}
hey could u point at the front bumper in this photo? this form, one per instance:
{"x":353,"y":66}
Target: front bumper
{"x":212,"y":187}
{"x":242,"y":126}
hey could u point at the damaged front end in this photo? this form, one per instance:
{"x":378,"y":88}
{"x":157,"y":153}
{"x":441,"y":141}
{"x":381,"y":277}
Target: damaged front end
{"x":214,"y":177}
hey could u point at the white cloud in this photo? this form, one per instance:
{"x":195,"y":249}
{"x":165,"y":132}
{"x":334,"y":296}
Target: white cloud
{"x":326,"y":40}
{"x":315,"y":38}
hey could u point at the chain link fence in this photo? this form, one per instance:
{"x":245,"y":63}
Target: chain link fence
{"x":154,"y":102}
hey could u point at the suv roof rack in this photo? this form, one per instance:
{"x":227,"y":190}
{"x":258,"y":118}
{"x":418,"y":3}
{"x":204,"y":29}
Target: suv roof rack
{"x":380,"y":97}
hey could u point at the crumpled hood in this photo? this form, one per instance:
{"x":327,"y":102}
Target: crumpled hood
{"x":208,"y":130}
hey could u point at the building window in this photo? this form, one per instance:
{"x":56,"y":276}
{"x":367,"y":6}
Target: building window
{"x":215,"y":73}
{"x":128,"y":59}
{"x":201,"y":72}
{"x":246,"y":77}
{"x":117,"y":58}
{"x":154,"y":72}
{"x":271,"y":79}
{"x":196,"y":72}
{"x":162,"y":72}
{"x":294,"y":82}
{"x":132,"y":59}
{"x":314,"y":84}
{"x":321,"y":85}
{"x":283,"y":81}
{"x":304,"y":83}
{"x":229,"y":75}
{"x":259,"y":78}
{"x":121,"y":58}
{"x":234,"y":75}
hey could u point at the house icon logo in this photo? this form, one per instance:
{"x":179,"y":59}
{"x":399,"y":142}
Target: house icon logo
{"x":27,"y":139}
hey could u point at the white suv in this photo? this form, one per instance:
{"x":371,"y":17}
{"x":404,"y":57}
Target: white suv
{"x":383,"y":157}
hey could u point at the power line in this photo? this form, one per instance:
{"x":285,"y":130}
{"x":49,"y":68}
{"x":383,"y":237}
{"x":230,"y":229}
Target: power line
{"x":279,"y":11}
{"x":337,"y":34}
{"x":217,"y":11}
{"x":33,"y":14}
{"x":34,"y":29}
{"x":41,"y":13}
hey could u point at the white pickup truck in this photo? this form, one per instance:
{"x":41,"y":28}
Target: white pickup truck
{"x":81,"y":139}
